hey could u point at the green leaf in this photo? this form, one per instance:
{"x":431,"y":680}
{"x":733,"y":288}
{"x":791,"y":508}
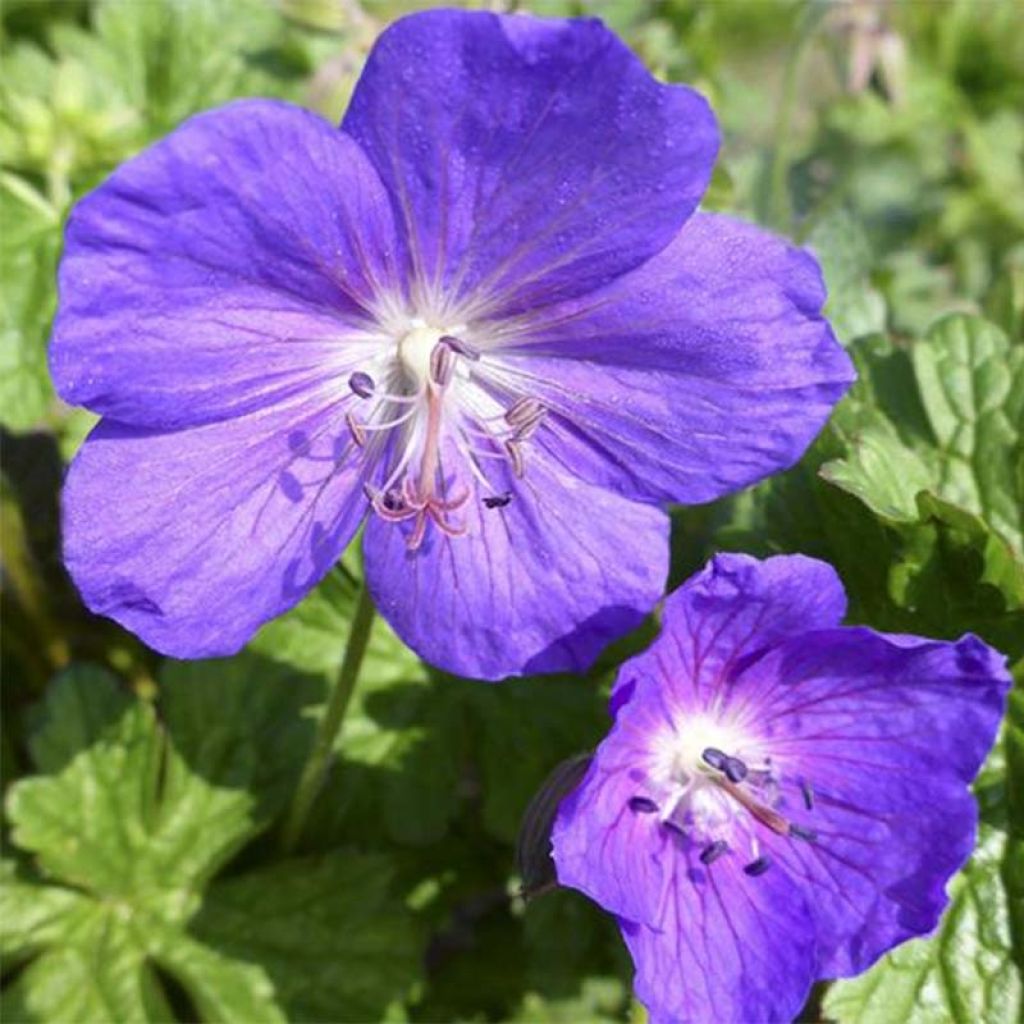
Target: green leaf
{"x":881,"y":472}
{"x":130,"y":817}
{"x":222,"y":987}
{"x":917,"y":291}
{"x":854,"y":307}
{"x":526,"y":728}
{"x":33,"y":917}
{"x":599,"y":1001}
{"x":63,"y":119}
{"x":88,"y":964}
{"x":96,"y":95}
{"x":122,"y":814}
{"x":1004,"y":303}
{"x":29,"y":242}
{"x":336,"y":943}
{"x":972,"y":387}
{"x":103,"y":979}
{"x":958,"y":430}
{"x":170,"y":58}
{"x":243,"y":722}
{"x":938,"y":576}
{"x":965,"y":974}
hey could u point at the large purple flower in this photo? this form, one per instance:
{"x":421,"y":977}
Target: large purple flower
{"x":779,"y":799}
{"x":484,"y":311}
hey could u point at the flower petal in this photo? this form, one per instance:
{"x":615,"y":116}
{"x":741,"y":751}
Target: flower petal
{"x":889,"y":735}
{"x":730,"y":948}
{"x":224,"y":267}
{"x":603,"y":843}
{"x":541,"y":585}
{"x":724,"y":616}
{"x":528,"y":159}
{"x":193,"y":538}
{"x":701,"y":371}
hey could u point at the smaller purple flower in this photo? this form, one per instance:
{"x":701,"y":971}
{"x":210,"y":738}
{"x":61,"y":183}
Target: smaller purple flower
{"x":780,"y":799}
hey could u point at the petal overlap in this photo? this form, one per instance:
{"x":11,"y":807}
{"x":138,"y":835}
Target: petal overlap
{"x":725,"y":615}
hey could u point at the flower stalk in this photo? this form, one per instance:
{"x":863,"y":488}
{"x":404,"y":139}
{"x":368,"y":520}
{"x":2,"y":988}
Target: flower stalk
{"x":315,"y":770}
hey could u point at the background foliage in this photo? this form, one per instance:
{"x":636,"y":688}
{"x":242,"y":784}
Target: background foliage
{"x":143,"y":878}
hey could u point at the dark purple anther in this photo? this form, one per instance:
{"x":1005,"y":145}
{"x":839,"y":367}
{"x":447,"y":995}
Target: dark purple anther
{"x":524,"y":411}
{"x":392,"y":500}
{"x":642,"y":804}
{"x":713,"y":851}
{"x":735,"y":769}
{"x":806,"y":834}
{"x":498,"y":500}
{"x":808,"y":795}
{"x":525,"y":416}
{"x":714,"y":757}
{"x":362,"y":384}
{"x":442,"y":364}
{"x":462,"y":348}
{"x":673,"y":826}
{"x":757,"y":867}
{"x":515,"y":455}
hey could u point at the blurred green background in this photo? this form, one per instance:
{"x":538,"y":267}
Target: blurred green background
{"x":143,"y":875}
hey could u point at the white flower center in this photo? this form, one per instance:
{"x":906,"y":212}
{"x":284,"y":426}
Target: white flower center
{"x":437,"y":420}
{"x":417,"y":344}
{"x":682,"y":773}
{"x":414,"y":349}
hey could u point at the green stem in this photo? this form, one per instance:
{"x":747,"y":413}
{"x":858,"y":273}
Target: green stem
{"x":780,"y":207}
{"x":315,"y":769}
{"x":47,"y":649}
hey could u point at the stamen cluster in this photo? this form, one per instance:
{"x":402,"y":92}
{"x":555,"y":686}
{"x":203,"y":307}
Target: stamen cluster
{"x":433,"y":418}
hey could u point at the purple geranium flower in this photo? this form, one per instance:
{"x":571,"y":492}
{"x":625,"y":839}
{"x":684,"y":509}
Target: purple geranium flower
{"x":483,"y":311}
{"x":779,"y":799}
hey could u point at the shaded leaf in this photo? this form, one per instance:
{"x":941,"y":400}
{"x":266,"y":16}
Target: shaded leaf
{"x":401,"y":727}
{"x":335,"y":942}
